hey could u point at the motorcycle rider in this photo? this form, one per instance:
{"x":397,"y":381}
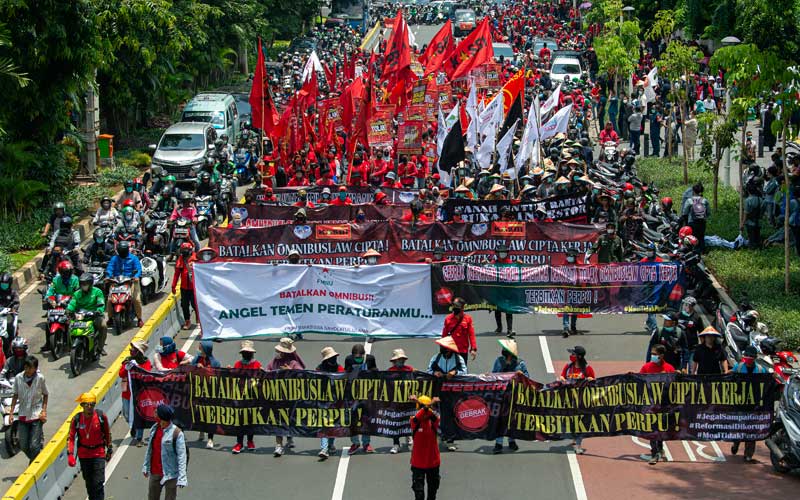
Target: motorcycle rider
{"x":9,"y":298}
{"x":131,"y":194}
{"x":128,"y":265}
{"x":66,"y":239}
{"x":106,"y":214}
{"x":139,"y":187}
{"x":16,"y":362}
{"x":165,"y":202}
{"x":129,"y":224}
{"x":90,"y":298}
{"x":100,"y":249}
{"x":54,"y":222}
{"x":206,"y":188}
{"x":153,"y":245}
{"x":186,"y":210}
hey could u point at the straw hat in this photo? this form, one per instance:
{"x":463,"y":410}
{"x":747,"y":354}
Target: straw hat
{"x":710,"y":330}
{"x":371,"y":253}
{"x":462,"y":189}
{"x":527,"y":188}
{"x":398,"y":354}
{"x":328,"y":352}
{"x":448,"y":343}
{"x":468,"y":181}
{"x":247,"y":346}
{"x":496,"y":188}
{"x":286,"y":345}
{"x":509,"y":345}
{"x":573,"y":161}
{"x":538,"y":171}
{"x":140,"y":345}
{"x":562,"y":180}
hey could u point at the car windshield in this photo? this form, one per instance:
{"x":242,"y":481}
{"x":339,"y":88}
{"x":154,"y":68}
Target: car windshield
{"x":506,"y":51}
{"x":566,"y":68}
{"x":242,"y":104}
{"x":181,"y":142}
{"x":465,"y":17}
{"x":216,"y":118}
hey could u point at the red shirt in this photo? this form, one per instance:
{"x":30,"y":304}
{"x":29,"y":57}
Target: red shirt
{"x":462,"y":331}
{"x":425,"y":453}
{"x":91,"y":435}
{"x":303,"y":204}
{"x":253,"y":365}
{"x":184,"y":272}
{"x":155,"y":450}
{"x":340,"y":203}
{"x":572,"y":372}
{"x":404,"y":368}
{"x":294,"y":182}
{"x":123,"y":374}
{"x":172,"y":360}
{"x":651,"y":367}
{"x":608,"y":136}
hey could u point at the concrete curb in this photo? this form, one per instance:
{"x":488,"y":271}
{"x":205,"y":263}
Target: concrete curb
{"x":29,"y":273}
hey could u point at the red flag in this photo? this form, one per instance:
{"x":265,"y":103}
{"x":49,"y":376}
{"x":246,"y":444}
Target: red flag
{"x":474,"y":50}
{"x":513,"y":87}
{"x":398,"y":50}
{"x":330,"y":75}
{"x":263,"y":112}
{"x":439,"y":49}
{"x":308,"y":94}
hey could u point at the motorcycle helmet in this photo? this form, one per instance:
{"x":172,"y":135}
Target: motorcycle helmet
{"x":19,"y":346}
{"x":99,"y":235}
{"x":684,"y":232}
{"x":219,"y":144}
{"x":690,"y":241}
{"x":629,"y":160}
{"x":205,"y":177}
{"x":166,"y":192}
{"x":628,"y":187}
{"x":64,"y":269}
{"x":186,"y":198}
{"x":666,"y":203}
{"x":128,"y":186}
{"x":150,"y":227}
{"x":123,"y":249}
{"x":66,"y":223}
{"x":138,"y":184}
{"x":6,"y":281}
{"x":59,"y":205}
{"x":170,"y":178}
{"x":186,"y":248}
{"x":224,"y":138}
{"x":127,"y":213}
{"x":106,"y":202}
{"x":86,"y":280}
{"x":750,"y":318}
{"x":127,"y":203}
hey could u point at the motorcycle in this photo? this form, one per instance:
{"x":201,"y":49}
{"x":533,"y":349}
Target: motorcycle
{"x":610,"y":153}
{"x":153,"y":282}
{"x":11,"y":440}
{"x":83,"y":339}
{"x":780,"y":363}
{"x":784,"y":435}
{"x":227,"y":192}
{"x":98,"y":272}
{"x":205,"y":215}
{"x":58,"y":326}
{"x":162,"y":218}
{"x":6,"y":316}
{"x":181,"y":232}
{"x":242,"y":160}
{"x":121,"y":303}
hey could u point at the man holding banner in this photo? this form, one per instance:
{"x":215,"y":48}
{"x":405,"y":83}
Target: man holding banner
{"x":458,"y":325}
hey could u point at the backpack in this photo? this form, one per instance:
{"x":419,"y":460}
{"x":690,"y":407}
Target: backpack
{"x":698,"y":208}
{"x":103,"y":423}
{"x":175,"y":433}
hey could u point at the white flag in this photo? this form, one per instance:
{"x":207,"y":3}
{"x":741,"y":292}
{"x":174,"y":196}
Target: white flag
{"x":529,"y":136}
{"x":504,"y":148}
{"x":312,"y":64}
{"x":445,"y":124}
{"x":552,"y":102}
{"x":557,"y":124}
{"x":488,"y":131}
{"x":649,"y":90}
{"x":472,"y":113}
{"x":491,"y":110}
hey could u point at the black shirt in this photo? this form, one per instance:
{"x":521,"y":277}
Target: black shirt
{"x":350,"y":364}
{"x":709,"y":360}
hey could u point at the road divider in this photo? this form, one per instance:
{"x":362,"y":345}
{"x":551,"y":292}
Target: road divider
{"x":48,"y":476}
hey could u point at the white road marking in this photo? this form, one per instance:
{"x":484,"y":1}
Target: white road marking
{"x":548,"y":362}
{"x":720,"y":456}
{"x":192,"y":338}
{"x":689,"y":451}
{"x":577,"y":477}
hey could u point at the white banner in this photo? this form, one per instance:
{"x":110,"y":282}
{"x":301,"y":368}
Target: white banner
{"x":238,"y":300}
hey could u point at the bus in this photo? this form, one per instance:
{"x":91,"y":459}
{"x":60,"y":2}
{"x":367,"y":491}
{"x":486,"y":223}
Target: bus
{"x":354,"y":13}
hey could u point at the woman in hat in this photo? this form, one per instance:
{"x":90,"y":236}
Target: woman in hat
{"x":576,"y":370}
{"x":248,"y":362}
{"x":508,"y":361}
{"x":329,"y":364}
{"x":604,"y":211}
{"x":168,"y":357}
{"x":398,"y":361}
{"x":286,"y":358}
{"x":136,"y":357}
{"x":205,"y":359}
{"x":709,"y":358}
{"x":447,"y":363}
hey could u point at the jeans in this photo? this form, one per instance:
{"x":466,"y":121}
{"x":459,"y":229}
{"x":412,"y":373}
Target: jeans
{"x":30,"y":438}
{"x":94,"y":475}
{"x":569,"y":321}
{"x":126,"y":410}
{"x":326,"y":444}
{"x":418,"y":479}
{"x":154,"y":488}
{"x":500,"y":441}
{"x":364,"y":439}
{"x":656,"y":447}
{"x":651,"y":323}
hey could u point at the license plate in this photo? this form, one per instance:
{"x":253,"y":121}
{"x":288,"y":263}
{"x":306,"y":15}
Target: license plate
{"x":80,"y":324}
{"x":181,"y":232}
{"x":55,"y":314}
{"x":96,"y":270}
{"x":119,"y":289}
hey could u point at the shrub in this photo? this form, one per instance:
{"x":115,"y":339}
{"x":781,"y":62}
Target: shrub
{"x":5,"y":263}
{"x":117,"y":174}
{"x":16,"y":236}
{"x":140,"y":160}
{"x":83,"y":199}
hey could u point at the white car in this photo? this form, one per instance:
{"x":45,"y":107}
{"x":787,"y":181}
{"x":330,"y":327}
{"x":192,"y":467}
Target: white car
{"x":565,"y":68}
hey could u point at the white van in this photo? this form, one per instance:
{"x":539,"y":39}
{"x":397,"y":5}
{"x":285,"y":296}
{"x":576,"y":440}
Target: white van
{"x":216,"y":108}
{"x":565,"y":67}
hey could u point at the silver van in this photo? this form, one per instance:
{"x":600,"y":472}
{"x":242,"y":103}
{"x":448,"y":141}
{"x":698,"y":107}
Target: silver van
{"x":182,"y":150}
{"x":216,"y":108}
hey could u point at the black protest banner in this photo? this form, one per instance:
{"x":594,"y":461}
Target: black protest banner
{"x":565,"y":208}
{"x":290,"y":402}
{"x":278,"y":215}
{"x":520,"y":289}
{"x":358,"y":195}
{"x":733,"y":407}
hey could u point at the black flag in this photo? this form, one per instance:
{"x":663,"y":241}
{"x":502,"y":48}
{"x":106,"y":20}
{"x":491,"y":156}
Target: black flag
{"x":514,"y":114}
{"x":452,"y":148}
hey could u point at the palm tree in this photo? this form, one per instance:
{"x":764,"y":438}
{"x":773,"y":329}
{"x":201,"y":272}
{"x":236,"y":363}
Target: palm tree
{"x":7,"y":67}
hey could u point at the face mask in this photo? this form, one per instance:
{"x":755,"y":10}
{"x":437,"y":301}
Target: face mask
{"x":247,"y":356}
{"x":502,"y":255}
{"x":86,"y":288}
{"x":122,"y":253}
{"x":160,"y":349}
{"x":437,"y":256}
{"x":655,"y":358}
{"x":358,"y":360}
{"x":595,"y":191}
{"x":106,"y":206}
{"x":399,"y":363}
{"x":302,"y":198}
{"x":5,"y":286}
{"x":653,"y":254}
{"x":372,"y":260}
{"x":571,"y":260}
{"x":361,"y":217}
{"x":457,"y":310}
{"x":342,"y":196}
{"x":128,"y":189}
{"x":609,"y":231}
{"x":573,"y":358}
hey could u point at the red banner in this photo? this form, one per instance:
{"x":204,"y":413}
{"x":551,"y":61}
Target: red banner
{"x":278,"y":215}
{"x":409,"y":136}
{"x":359,"y":195}
{"x":342,"y":244}
{"x":380,"y":129}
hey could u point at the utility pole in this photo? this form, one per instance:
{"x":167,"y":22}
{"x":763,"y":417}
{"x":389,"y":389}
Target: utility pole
{"x":91,"y":126}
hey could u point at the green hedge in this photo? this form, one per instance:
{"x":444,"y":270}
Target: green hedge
{"x":756,"y":274}
{"x":118,"y":174}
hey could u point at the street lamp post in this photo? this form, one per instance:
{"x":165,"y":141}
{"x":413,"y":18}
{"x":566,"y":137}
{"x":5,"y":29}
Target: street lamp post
{"x":727,"y":42}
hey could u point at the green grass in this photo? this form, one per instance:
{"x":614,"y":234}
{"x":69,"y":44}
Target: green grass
{"x":19,"y":259}
{"x":756,"y":274}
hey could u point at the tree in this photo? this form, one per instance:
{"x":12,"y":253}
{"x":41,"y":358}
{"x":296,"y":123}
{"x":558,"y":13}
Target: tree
{"x":676,"y":64}
{"x":617,"y":47}
{"x":716,"y":135}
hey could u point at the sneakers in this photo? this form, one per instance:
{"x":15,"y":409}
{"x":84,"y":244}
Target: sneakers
{"x":579,"y":450}
{"x":323,"y":454}
{"x":498,"y":330}
{"x":565,"y":333}
{"x":332,"y":450}
{"x":451,"y":446}
{"x":237,"y":449}
{"x":278,"y":451}
{"x":654,"y":459}
{"x":210,"y":444}
{"x":368,"y":448}
{"x":511,"y":334}
{"x":394,"y":449}
{"x":513,"y":446}
{"x":353,"y":449}
{"x":574,"y":331}
{"x":498,"y":449}
{"x":135,"y":442}
{"x":251,"y":446}
{"x":409,"y":442}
